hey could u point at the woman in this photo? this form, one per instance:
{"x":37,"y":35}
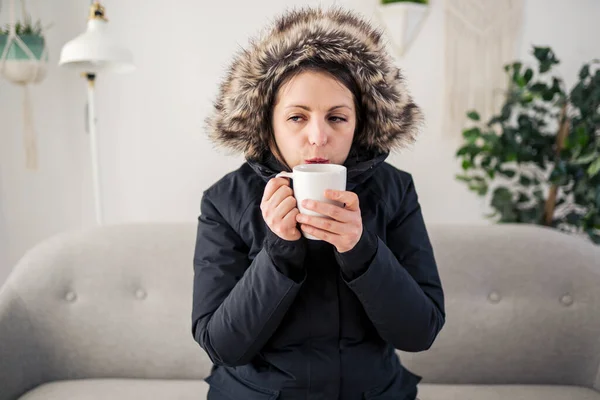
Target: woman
{"x":284,"y":317}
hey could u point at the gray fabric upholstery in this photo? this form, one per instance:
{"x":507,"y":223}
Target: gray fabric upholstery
{"x":85,"y":308}
{"x":112,"y":302}
{"x":509,"y":313}
{"x":110,"y":389}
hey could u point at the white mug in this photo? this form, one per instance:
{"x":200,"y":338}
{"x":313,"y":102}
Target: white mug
{"x":311,"y":181}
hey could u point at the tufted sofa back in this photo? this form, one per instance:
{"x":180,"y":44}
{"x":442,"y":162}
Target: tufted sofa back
{"x":522,"y":304}
{"x":113,"y":301}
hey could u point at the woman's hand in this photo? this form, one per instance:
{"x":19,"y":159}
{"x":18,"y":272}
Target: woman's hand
{"x":344,"y":229}
{"x":279,"y":209}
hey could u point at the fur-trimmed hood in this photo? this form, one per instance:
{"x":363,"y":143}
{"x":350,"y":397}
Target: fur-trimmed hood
{"x":241,"y":110}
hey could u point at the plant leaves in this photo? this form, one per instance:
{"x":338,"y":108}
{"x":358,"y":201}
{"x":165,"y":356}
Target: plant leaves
{"x":590,"y":196}
{"x":584,"y":72}
{"x":530,"y":137}
{"x":471,"y":135}
{"x":529,"y":215}
{"x":517,"y":72}
{"x":545,"y":67}
{"x":556,"y":85}
{"x":508,"y":215}
{"x":502,"y":201}
{"x":582,"y":135}
{"x":507,"y":172}
{"x":528,"y":75}
{"x":490,"y":137}
{"x":586,"y":158}
{"x":577,"y":95}
{"x":527,"y":97}
{"x":541,"y":53}
{"x":463,"y":150}
{"x":546,"y":57}
{"x":573,"y":218}
{"x":473,"y":115}
{"x":506,"y":111}
{"x":548,"y":95}
{"x":479,"y":187}
{"x":523,"y":198}
{"x":524,"y":180}
{"x":483,"y":189}
{"x":495,"y":120}
{"x":539,"y":88}
{"x":594,"y":168}
{"x":501,"y":197}
{"x":593,"y":236}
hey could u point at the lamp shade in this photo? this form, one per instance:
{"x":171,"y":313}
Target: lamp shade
{"x":96,"y":50}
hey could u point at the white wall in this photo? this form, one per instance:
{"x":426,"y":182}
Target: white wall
{"x":36,"y":204}
{"x":156,"y":159}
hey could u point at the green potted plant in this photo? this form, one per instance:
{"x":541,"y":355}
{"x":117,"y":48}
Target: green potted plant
{"x":23,"y":55}
{"x":542,"y":151}
{"x":402,"y":20}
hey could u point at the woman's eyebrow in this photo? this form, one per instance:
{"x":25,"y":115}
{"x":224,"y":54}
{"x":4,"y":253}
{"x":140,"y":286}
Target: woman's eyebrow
{"x":308,"y":108}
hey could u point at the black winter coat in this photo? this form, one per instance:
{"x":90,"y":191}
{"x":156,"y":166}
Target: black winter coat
{"x":298,"y":320}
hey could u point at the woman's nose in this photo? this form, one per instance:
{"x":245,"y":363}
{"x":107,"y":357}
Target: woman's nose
{"x":317,"y":134}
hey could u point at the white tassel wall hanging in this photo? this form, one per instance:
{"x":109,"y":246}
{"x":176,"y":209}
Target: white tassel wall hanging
{"x":481,"y":37}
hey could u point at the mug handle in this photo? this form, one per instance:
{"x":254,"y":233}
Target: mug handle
{"x":285,"y":175}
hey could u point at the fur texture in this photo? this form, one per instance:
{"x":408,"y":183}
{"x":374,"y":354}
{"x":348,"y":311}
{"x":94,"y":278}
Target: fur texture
{"x":242,"y":109}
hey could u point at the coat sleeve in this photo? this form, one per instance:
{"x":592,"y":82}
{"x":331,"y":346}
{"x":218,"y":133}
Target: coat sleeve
{"x":398,"y":284}
{"x":237,"y":304}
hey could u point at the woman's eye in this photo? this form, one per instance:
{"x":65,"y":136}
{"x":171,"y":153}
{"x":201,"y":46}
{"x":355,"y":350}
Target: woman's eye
{"x":295,"y":118}
{"x":338,"y":119}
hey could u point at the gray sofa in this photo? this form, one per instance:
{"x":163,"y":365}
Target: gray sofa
{"x":105,"y":314}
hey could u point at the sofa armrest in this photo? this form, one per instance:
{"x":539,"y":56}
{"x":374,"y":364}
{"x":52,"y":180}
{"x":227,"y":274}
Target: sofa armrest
{"x":22,"y":363}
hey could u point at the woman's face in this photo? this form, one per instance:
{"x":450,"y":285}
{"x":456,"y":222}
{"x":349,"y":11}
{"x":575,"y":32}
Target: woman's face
{"x":314,"y":119}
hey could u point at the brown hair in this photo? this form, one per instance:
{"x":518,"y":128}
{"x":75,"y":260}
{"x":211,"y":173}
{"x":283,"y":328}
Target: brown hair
{"x":337,"y":72}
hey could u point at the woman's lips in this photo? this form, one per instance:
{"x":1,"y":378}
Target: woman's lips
{"x":317,"y":161}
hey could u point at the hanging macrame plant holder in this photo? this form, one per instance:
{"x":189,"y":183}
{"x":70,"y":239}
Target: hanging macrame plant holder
{"x":402,"y":21}
{"x":24,"y":61}
{"x":481,"y":36}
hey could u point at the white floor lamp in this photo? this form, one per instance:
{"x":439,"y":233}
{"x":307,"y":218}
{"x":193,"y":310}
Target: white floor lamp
{"x":90,"y":53}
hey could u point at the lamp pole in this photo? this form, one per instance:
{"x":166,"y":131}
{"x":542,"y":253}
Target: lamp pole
{"x":91,"y":122}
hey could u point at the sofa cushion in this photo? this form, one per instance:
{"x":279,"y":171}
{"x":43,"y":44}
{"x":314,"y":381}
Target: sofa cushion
{"x":95,"y":389}
{"x":504,"y":392}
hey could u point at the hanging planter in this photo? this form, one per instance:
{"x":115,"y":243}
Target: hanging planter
{"x":23,"y":52}
{"x":19,"y":66}
{"x":402,"y":20}
{"x":23,"y":61}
